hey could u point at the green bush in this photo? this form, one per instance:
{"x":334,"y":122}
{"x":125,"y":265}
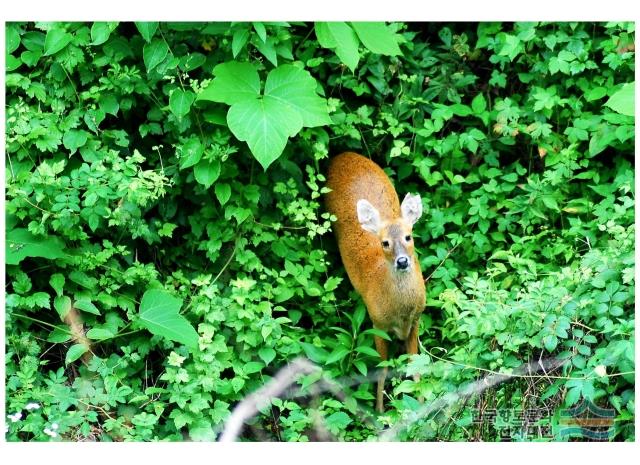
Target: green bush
{"x":164,"y":185}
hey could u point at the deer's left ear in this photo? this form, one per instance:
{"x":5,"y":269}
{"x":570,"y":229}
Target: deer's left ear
{"x":411,"y":208}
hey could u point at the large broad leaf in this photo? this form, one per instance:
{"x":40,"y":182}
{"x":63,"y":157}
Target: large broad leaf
{"x":21,"y":243}
{"x":159,"y":314}
{"x":624,"y":100}
{"x":264,"y":124}
{"x":154,"y":53}
{"x":340,"y":37}
{"x":296,"y":88}
{"x":378,"y":38}
{"x":56,"y":40}
{"x":235,"y":82}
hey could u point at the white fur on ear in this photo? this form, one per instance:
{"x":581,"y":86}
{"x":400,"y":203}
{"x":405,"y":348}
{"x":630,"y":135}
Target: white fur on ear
{"x":368,"y":216}
{"x":411,"y":208}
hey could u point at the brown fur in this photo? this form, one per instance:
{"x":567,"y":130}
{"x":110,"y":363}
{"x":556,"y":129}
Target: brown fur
{"x":394,"y":299}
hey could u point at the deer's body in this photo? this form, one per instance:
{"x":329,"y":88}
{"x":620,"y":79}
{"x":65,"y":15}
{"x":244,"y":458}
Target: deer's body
{"x":373,"y":232}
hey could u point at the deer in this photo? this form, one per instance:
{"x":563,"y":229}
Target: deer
{"x":374,"y":235}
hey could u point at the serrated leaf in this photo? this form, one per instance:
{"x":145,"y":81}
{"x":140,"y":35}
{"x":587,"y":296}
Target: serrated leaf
{"x":624,"y":100}
{"x":340,"y":37}
{"x":147,"y":29}
{"x":206,"y":172}
{"x":180,"y":102}
{"x":158,"y":313}
{"x":75,"y":352}
{"x":20,"y":243}
{"x":87,"y":306}
{"x":377,"y":37}
{"x":234,"y":82}
{"x":100,"y":334}
{"x":223,"y":192}
{"x":296,"y":88}
{"x":265,"y":124}
{"x":478,"y":104}
{"x":154,"y":53}
{"x":337,"y":422}
{"x":56,"y":40}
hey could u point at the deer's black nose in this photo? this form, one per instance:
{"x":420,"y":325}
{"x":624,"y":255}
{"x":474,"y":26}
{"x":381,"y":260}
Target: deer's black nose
{"x":402,"y":263}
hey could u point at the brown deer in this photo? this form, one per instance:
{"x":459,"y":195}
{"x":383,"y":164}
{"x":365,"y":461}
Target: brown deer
{"x":373,"y":232}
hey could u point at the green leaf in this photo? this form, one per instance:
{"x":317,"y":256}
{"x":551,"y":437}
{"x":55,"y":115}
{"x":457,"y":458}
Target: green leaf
{"x":377,"y":37}
{"x":147,"y":29}
{"x":223,"y":192}
{"x":57,"y":283}
{"x":478,"y":104}
{"x":20,"y":243}
{"x":267,"y":354}
{"x":340,"y":37}
{"x":158,"y":313}
{"x":62,"y":305}
{"x":296,"y":88}
{"x":337,"y":422}
{"x":190,"y":152}
{"x":100,"y":333}
{"x":624,"y":100}
{"x":100,"y":32}
{"x":235,"y":82}
{"x":368,"y":351}
{"x":595,"y":94}
{"x":12,"y":38}
{"x":109,"y":104}
{"x":154,"y":53}
{"x":87,"y":306}
{"x":59,"y":335}
{"x":75,"y":352}
{"x":550,"y":342}
{"x":239,"y":40}
{"x":56,"y":40}
{"x":180,"y":102}
{"x":314,"y":353}
{"x":265,"y":124}
{"x":73,"y":139}
{"x":206,"y":172}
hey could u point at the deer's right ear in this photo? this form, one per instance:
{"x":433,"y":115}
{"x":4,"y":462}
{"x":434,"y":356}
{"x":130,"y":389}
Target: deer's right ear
{"x":368,"y":216}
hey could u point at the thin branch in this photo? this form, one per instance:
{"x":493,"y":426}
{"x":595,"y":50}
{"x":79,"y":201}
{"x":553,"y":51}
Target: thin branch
{"x":256,"y":401}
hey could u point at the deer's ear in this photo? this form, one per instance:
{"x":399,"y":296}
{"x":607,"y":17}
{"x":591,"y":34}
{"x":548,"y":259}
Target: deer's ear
{"x":411,"y":208}
{"x":368,"y":216}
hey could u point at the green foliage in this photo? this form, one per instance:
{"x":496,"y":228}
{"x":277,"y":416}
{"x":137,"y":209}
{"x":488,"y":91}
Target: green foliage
{"x":134,"y":202}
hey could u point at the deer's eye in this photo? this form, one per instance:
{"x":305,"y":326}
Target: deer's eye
{"x":407,"y":238}
{"x":385,"y":244}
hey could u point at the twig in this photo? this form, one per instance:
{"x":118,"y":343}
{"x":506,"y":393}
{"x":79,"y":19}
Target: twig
{"x":250,"y":405}
{"x":443,"y":260}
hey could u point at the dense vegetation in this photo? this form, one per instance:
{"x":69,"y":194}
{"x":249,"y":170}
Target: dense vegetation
{"x":167,"y":249}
